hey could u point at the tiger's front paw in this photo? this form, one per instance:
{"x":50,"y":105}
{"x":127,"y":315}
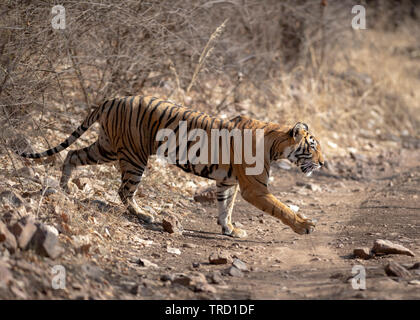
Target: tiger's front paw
{"x":303,"y":225}
{"x":238,"y":233}
{"x":234,"y":232}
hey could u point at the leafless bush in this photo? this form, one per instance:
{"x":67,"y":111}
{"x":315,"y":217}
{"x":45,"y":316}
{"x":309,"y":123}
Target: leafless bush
{"x":49,"y":78}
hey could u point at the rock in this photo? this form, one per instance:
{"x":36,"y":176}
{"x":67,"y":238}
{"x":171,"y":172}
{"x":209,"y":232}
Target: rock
{"x":313,"y":187}
{"x":182,"y":280}
{"x":11,"y":198}
{"x":415,"y":266}
{"x":235,"y":272}
{"x":189,"y":245}
{"x":146,"y":263}
{"x":240,"y":265}
{"x":387,"y":247}
{"x":45,"y":242}
{"x":13,"y":201}
{"x":171,"y":224}
{"x":19,"y":294}
{"x":362,"y":253}
{"x":394,"y":269}
{"x":204,"y":287}
{"x":167,"y":277}
{"x":192,"y":280}
{"x":412,"y":282}
{"x":220,"y":258}
{"x":10,"y":217}
{"x":5,"y":276}
{"x":26,"y":172}
{"x":207,"y":194}
{"x":134,"y":289}
{"x":24,"y":230}
{"x":216,"y":278}
{"x":7,"y":238}
{"x":173,"y":250}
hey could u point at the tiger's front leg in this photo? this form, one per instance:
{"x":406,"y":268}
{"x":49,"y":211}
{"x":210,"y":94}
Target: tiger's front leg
{"x":262,"y":199}
{"x":226,"y":195}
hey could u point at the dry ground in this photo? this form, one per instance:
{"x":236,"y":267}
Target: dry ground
{"x":355,"y":202}
{"x":365,"y":102}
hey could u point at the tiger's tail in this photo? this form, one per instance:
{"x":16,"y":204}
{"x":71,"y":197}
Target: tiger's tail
{"x":87,"y":123}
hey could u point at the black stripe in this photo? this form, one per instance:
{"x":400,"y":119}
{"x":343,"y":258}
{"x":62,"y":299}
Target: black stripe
{"x":103,"y":153}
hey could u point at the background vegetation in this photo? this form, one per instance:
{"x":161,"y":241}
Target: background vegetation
{"x":274,"y":60}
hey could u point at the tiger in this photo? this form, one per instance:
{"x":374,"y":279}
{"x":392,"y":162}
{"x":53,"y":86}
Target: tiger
{"x":128,"y":130}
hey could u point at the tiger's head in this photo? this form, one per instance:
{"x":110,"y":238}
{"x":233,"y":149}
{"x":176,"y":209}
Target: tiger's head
{"x":305,"y":150}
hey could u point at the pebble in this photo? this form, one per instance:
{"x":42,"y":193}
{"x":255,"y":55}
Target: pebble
{"x":173,"y":250}
{"x":5,"y":276}
{"x":216,"y":278}
{"x":239,"y":264}
{"x":387,"y":247}
{"x":24,"y":230}
{"x":146,"y":263}
{"x":363,"y":253}
{"x":219,"y":258}
{"x":189,"y":245}
{"x":235,"y":272}
{"x":7,"y":238}
{"x":171,"y":224}
{"x":45,"y":241}
{"x":204,"y":287}
{"x":12,"y":200}
{"x":394,"y":269}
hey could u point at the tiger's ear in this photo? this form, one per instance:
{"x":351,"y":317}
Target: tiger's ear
{"x":298,"y":129}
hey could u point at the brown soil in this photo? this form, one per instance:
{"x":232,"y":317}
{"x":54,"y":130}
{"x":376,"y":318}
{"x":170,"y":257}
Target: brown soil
{"x":355,"y":202}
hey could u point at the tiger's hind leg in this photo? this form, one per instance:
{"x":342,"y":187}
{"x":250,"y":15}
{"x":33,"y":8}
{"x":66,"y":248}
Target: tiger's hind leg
{"x":130,"y":178}
{"x":96,"y":153}
{"x":226,"y":195}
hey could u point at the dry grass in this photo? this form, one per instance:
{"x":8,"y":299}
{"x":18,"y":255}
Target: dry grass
{"x":281,"y":62}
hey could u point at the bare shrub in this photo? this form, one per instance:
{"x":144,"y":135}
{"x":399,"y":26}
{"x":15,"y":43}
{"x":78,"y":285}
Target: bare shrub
{"x":274,"y":58}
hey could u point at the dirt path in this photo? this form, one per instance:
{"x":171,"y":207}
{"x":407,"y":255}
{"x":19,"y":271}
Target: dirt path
{"x":355,"y":203}
{"x":350,"y":213}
